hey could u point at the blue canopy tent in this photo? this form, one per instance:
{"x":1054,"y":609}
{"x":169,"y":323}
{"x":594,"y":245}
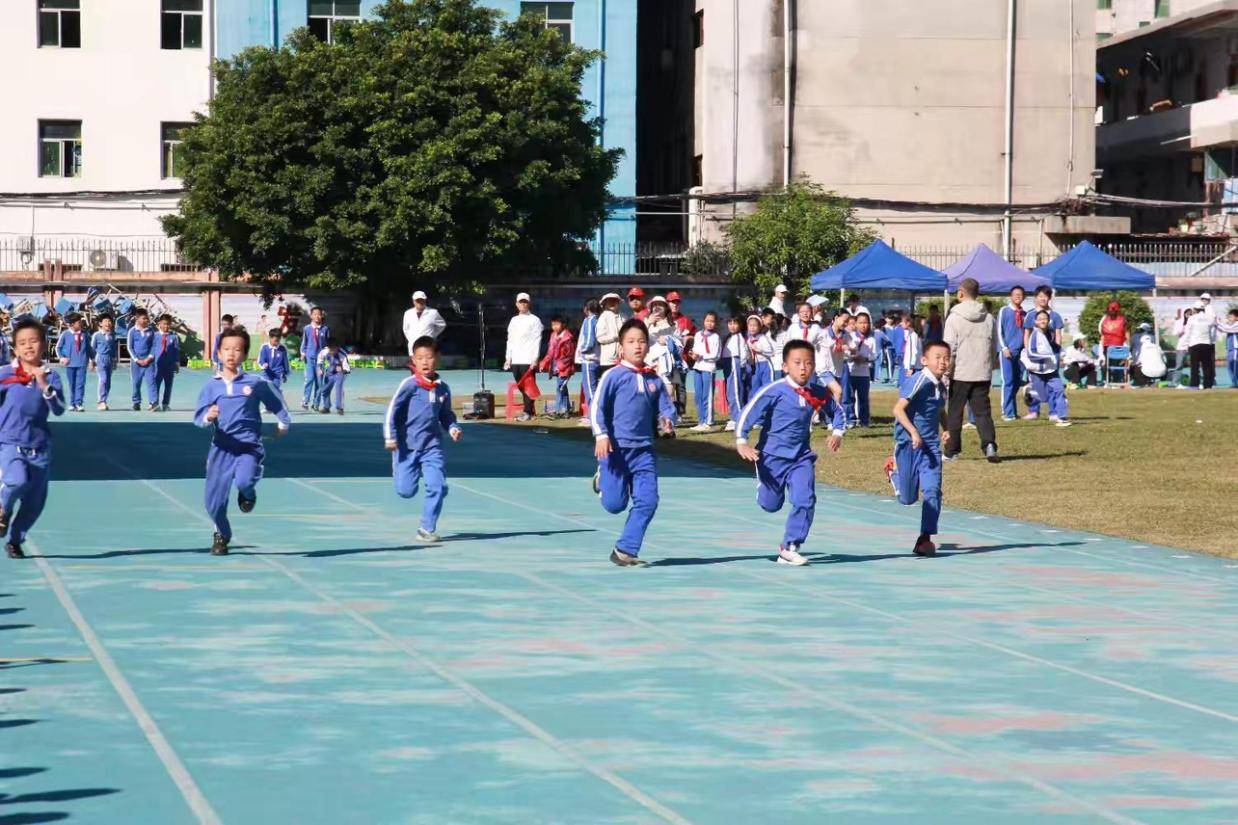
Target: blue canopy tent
{"x":995,"y":274}
{"x":1088,"y":268}
{"x":879,"y":266}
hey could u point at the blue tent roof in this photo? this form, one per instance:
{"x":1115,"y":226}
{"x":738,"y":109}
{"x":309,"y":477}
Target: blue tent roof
{"x":878,"y":266}
{"x":995,"y":274}
{"x":1088,"y":268}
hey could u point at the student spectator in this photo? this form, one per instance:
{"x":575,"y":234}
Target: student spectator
{"x":608,"y":332}
{"x":1079,"y":363}
{"x":934,"y":329}
{"x":854,"y":307}
{"x":636,"y":303}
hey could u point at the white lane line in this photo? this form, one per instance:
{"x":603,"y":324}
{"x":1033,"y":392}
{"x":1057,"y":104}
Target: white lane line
{"x":510,"y":714}
{"x":987,"y":764}
{"x":176,"y":769}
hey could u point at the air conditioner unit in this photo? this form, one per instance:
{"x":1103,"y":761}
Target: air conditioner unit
{"x":104,"y":260}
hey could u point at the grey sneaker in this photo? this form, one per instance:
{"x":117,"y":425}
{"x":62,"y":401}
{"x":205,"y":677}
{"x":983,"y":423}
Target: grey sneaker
{"x":427,"y":535}
{"x":623,"y":559}
{"x":990,"y":453}
{"x":597,"y":483}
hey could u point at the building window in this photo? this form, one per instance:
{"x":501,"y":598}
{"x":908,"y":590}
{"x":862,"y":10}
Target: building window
{"x":171,"y":158}
{"x":60,"y":148}
{"x":60,"y":24}
{"x":1104,"y":5}
{"x":698,"y":29}
{"x":557,"y":16}
{"x":181,"y":24}
{"x":1162,"y":8}
{"x":324,"y":15}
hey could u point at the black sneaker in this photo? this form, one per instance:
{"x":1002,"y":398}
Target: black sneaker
{"x":219,"y":547}
{"x":924,"y":546}
{"x":137,"y":407}
{"x":14,"y":551}
{"x":246,"y":504}
{"x":623,"y":559}
{"x":990,"y":454}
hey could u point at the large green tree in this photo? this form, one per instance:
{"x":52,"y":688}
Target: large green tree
{"x":794,"y":233}
{"x":433,"y":140}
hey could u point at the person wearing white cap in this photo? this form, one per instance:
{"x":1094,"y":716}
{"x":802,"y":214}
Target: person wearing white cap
{"x":524,"y":347}
{"x":1078,"y":363}
{"x":608,"y":332}
{"x":1197,"y":334}
{"x":779,"y":302}
{"x":1205,"y":300}
{"x":421,"y":321}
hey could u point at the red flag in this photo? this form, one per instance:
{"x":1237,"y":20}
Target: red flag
{"x":528,"y":384}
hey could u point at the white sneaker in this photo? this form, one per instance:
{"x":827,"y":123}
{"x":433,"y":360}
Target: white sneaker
{"x":584,"y":422}
{"x":701,"y":428}
{"x":969,"y":426}
{"x":1063,"y":423}
{"x":426,"y":535}
{"x":1055,"y":419}
{"x":730,"y":427}
{"x":1009,"y":418}
{"x":791,"y":555}
{"x":101,"y":406}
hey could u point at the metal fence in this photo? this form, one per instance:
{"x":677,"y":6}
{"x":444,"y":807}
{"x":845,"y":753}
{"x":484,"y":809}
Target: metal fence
{"x":25,"y":253}
{"x":644,"y":259}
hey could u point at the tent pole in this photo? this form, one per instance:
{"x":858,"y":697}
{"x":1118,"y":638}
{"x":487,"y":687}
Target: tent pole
{"x":1156,"y":327}
{"x":1008,"y":181}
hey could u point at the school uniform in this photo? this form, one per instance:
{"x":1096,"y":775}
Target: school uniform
{"x":911,"y":355}
{"x":735,"y":371}
{"x":215,"y":351}
{"x":558,"y":361}
{"x":273,"y":361}
{"x":917,"y":471}
{"x":332,"y":370}
{"x":73,"y":350}
{"x":141,"y":343}
{"x":1041,"y":359}
{"x":1029,"y":323}
{"x":25,"y":445}
{"x":780,"y":344}
{"x":6,"y":350}
{"x":1010,"y":326}
{"x":630,"y":401}
{"x":761,"y":357}
{"x":167,"y":349}
{"x":1231,"y":357}
{"x":103,"y":345}
{"x":859,"y":371}
{"x":784,"y":411}
{"x":313,"y":342}
{"x":236,"y":453}
{"x":588,"y":351}
{"x":419,"y":413}
{"x":706,"y":350}
{"x":834,"y":358}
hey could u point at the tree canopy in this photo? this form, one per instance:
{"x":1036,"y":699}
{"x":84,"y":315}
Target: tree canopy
{"x":794,"y":233}
{"x":433,"y":140}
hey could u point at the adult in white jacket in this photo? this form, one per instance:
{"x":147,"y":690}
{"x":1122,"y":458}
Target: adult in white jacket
{"x":420,"y":321}
{"x":608,"y":332}
{"x":524,"y":347}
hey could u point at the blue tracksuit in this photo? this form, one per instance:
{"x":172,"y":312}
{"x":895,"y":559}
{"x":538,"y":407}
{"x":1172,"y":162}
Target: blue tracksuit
{"x":6,"y":350}
{"x":917,"y":472}
{"x":25,"y":446}
{"x":141,"y":346}
{"x":1231,"y":358}
{"x":103,"y":345}
{"x":1010,"y":329}
{"x":274,"y":364}
{"x":73,"y":349}
{"x":785,"y":467}
{"x":419,"y":413}
{"x":236,"y":453}
{"x":332,"y":370}
{"x":167,"y":348}
{"x":733,"y":362}
{"x":313,"y":341}
{"x":1042,"y":360}
{"x":1029,"y":322}
{"x":628,"y":404}
{"x":215,"y":351}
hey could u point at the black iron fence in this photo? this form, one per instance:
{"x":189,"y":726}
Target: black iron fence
{"x":27,"y":253}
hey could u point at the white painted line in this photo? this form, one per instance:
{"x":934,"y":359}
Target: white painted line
{"x":171,"y":762}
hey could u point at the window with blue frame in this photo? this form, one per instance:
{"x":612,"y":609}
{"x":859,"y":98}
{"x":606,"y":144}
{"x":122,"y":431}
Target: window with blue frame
{"x":326,"y":15}
{"x":557,"y":16}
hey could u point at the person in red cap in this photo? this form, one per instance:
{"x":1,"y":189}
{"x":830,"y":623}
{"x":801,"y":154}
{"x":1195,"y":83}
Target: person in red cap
{"x":1114,"y":332}
{"x":685,"y":329}
{"x":636,"y":303}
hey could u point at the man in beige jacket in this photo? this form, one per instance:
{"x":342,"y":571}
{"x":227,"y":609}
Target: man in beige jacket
{"x":971,"y":333}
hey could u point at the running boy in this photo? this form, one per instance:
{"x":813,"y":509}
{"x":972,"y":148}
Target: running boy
{"x":706,"y":350}
{"x":103,"y":348}
{"x":73,"y":350}
{"x":273,"y":359}
{"x":167,"y":359}
{"x":919,"y":430}
{"x":231,"y":403}
{"x":225,"y":324}
{"x":333,"y":368}
{"x":313,"y":341}
{"x":29,"y":390}
{"x":631,"y":402}
{"x":785,"y":461}
{"x":418,"y":414}
{"x":141,"y":343}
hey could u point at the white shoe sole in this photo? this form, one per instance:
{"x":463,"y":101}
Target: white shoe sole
{"x":800,"y":563}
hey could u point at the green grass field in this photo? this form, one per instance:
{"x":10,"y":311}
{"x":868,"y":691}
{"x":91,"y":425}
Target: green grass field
{"x":1159,"y":466}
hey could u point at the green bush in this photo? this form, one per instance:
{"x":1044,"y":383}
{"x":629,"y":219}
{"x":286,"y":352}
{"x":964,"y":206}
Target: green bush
{"x":1134,"y":307}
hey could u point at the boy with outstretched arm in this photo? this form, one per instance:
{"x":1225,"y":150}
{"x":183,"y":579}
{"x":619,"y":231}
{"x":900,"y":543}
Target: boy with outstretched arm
{"x":418,"y":415}
{"x":919,"y":430}
{"x":29,"y":390}
{"x":231,"y":404}
{"x":167,"y":359}
{"x":103,"y":349}
{"x":273,"y":359}
{"x":73,"y":350}
{"x":631,"y":403}
{"x":785,"y":461}
{"x":141,"y":343}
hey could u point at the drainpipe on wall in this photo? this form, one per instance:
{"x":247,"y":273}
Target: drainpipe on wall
{"x":1009,"y":181}
{"x":788,"y":88}
{"x":274,"y":24}
{"x":735,"y":107}
{"x":601,"y":106}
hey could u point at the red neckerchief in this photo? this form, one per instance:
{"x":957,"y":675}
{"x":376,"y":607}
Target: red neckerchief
{"x":424,"y":382}
{"x":19,"y":376}
{"x":1018,"y":316}
{"x":642,"y":370}
{"x":163,"y":343}
{"x":813,"y":401}
{"x":804,"y":329}
{"x":77,"y":342}
{"x":705,"y":338}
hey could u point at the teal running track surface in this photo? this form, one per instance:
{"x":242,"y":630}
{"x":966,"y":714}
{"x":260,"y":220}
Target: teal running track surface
{"x":332,"y":670}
